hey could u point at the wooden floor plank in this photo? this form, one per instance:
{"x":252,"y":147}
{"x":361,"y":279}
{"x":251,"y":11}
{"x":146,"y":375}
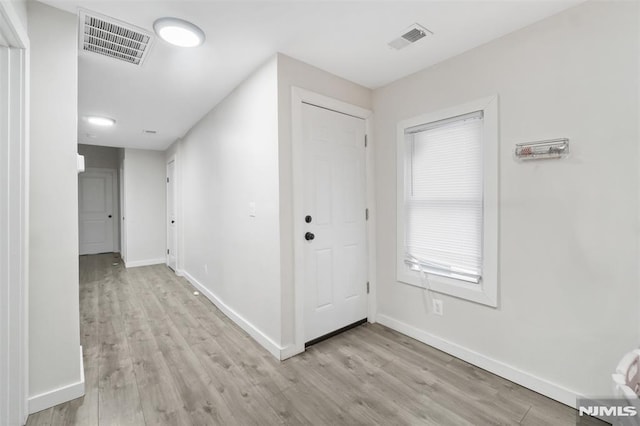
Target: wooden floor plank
{"x":243,"y":399}
{"x":156,"y":354}
{"x":200,"y":398}
{"x":248,"y":358}
{"x":160,"y":401}
{"x":119,"y":399}
{"x":415,"y":403}
{"x":41,"y":418}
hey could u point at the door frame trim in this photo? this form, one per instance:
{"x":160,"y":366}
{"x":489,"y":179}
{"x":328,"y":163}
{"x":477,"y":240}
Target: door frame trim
{"x":173,"y":158}
{"x":15,"y":280}
{"x":122,"y":207}
{"x":115,"y":203}
{"x":299,"y":97}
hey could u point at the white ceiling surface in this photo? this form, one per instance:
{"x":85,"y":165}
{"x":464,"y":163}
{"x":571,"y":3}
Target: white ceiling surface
{"x":176,"y":87}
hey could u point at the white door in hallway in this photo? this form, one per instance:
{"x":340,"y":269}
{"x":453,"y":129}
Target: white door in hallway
{"x":96,"y":211}
{"x":172,"y":229}
{"x":335,"y":289}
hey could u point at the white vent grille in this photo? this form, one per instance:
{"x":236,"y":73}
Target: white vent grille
{"x":411,"y":35}
{"x":109,"y":37}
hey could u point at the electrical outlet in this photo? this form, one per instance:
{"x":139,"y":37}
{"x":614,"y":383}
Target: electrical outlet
{"x":438,"y":307}
{"x":252,"y":209}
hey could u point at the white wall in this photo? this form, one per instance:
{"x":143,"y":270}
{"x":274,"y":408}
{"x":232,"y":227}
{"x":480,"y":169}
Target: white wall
{"x":226,"y":161}
{"x":102,"y":157}
{"x":293,"y":73}
{"x":54,"y":331}
{"x":237,"y":154}
{"x":17,"y":9}
{"x":144,"y":207}
{"x":568,"y":289}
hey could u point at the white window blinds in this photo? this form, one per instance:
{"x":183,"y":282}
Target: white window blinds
{"x":443,"y":197}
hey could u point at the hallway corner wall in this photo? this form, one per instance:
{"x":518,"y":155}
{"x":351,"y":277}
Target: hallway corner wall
{"x":144,"y":207}
{"x":55,"y":364}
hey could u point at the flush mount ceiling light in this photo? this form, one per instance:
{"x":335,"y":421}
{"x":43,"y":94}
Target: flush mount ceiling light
{"x":101,"y":121}
{"x":179,"y":32}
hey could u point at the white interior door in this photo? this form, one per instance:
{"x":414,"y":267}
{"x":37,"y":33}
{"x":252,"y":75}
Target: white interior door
{"x":172,"y":229}
{"x":96,"y":212}
{"x":335,"y":255}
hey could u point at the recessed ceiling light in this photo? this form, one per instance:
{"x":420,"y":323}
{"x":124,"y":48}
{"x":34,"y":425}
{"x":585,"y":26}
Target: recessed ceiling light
{"x":179,"y":32}
{"x":101,"y":121}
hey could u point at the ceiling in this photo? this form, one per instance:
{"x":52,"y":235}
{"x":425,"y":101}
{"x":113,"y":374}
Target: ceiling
{"x":176,"y":87}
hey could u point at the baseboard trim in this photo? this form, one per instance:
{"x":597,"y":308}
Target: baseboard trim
{"x":537,"y":384}
{"x":253,"y":331}
{"x":58,"y":396}
{"x":291,"y":351}
{"x":148,"y":262}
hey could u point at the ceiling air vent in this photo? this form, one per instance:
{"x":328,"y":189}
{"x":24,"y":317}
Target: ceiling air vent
{"x":109,"y":37}
{"x":412,"y":34}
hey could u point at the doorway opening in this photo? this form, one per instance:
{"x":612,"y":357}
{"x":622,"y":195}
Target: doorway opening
{"x":172,"y":215}
{"x":331,"y":209}
{"x":99,"y":200}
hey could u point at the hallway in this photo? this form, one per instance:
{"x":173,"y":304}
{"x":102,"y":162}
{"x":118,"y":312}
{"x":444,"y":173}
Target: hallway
{"x":154,"y":353}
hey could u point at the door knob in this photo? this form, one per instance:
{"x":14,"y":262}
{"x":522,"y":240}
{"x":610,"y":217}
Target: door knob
{"x":173,"y":221}
{"x":308,"y":219}
{"x":109,"y":216}
{"x":309,"y":236}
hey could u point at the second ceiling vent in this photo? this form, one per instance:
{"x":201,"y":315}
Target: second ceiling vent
{"x":411,"y":35}
{"x":109,"y":37}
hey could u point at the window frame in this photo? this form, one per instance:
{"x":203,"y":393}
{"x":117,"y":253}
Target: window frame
{"x":486,"y":292}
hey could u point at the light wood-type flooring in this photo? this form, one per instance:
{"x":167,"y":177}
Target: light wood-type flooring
{"x":156,"y":354}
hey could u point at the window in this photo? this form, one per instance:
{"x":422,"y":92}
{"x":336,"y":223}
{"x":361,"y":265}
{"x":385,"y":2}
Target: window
{"x":447,"y":201}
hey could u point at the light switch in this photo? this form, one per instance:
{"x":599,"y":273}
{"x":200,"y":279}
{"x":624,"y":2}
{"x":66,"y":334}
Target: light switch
{"x":252,"y":209}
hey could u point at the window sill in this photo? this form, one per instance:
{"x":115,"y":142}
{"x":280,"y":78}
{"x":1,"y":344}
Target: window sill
{"x":478,"y":293}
